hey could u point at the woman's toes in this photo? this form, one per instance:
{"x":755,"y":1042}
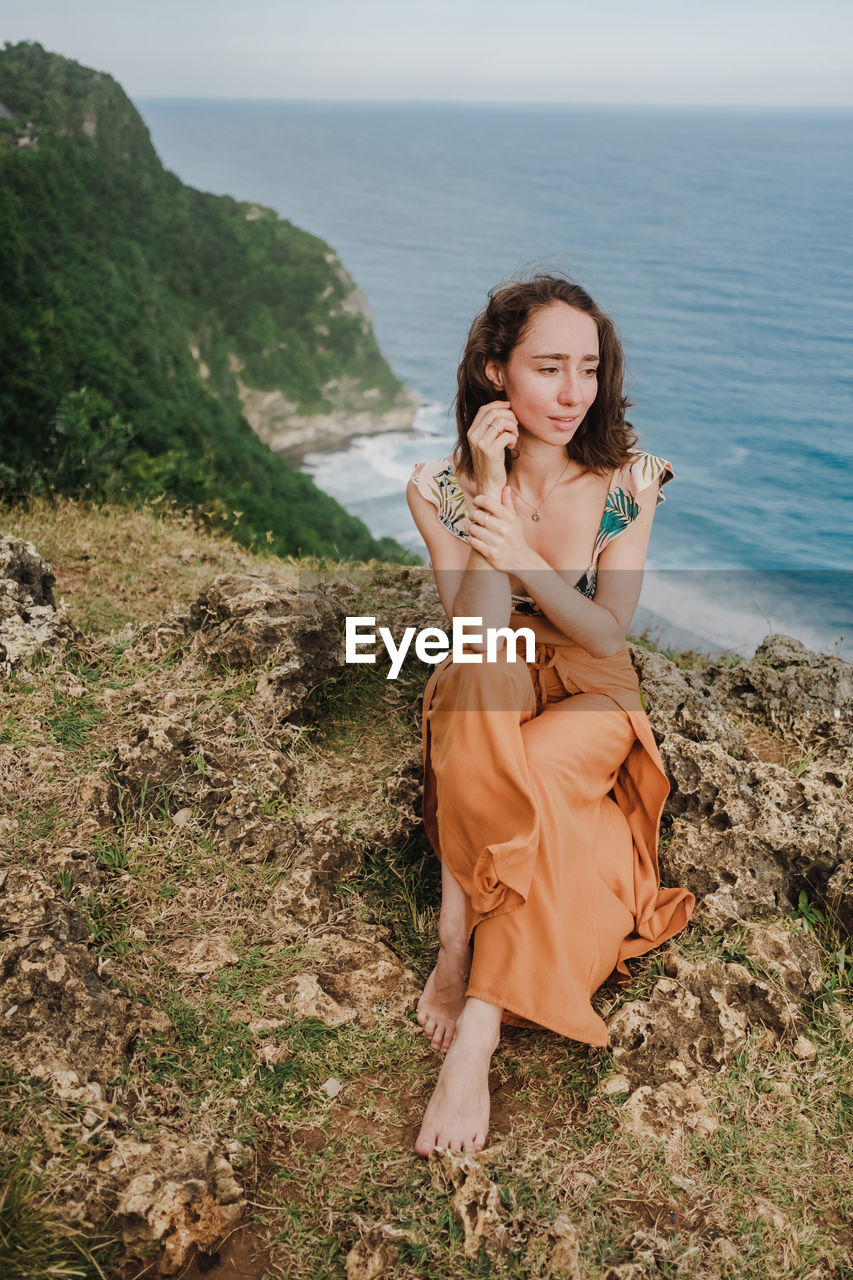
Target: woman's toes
{"x":423,"y":1146}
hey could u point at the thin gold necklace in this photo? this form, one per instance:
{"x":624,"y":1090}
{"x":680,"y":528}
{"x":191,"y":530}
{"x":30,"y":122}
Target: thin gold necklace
{"x":537,"y":514}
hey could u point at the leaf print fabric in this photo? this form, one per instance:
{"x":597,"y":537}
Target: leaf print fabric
{"x":446,"y":492}
{"x":619,"y":511}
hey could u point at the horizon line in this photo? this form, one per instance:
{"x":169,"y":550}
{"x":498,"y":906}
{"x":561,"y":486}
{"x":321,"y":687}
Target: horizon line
{"x":501,"y":102}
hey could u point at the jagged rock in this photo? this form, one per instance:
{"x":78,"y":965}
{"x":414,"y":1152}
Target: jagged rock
{"x":158,"y":755}
{"x":25,"y":575}
{"x":564,"y":1256}
{"x":787,"y":954}
{"x":204,"y":956}
{"x":203,"y":770}
{"x":57,"y":1016}
{"x":292,"y":629}
{"x":181,"y":1198}
{"x":377,"y":1251}
{"x":475,"y":1200}
{"x":665,"y":1112}
{"x":839,"y":894}
{"x":288,"y":625}
{"x":653,"y":1254}
{"x":98,"y":794}
{"x":300,"y":902}
{"x":402,"y":794}
{"x":792,"y":689}
{"x":355,"y":971}
{"x":322,"y":856}
{"x":360,"y":969}
{"x":304,"y":997}
{"x":680,"y":702}
{"x":29,"y":619}
{"x":699,"y":1013}
{"x":747,"y":836}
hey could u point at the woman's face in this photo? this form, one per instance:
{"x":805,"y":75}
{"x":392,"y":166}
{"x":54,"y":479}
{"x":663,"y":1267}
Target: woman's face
{"x":551,"y":377}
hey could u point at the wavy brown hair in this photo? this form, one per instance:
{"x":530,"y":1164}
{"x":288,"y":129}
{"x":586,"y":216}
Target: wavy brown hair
{"x":604,"y":439}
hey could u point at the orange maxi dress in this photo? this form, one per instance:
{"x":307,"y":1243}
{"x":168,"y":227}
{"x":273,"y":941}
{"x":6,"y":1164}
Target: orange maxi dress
{"x":543,"y":791}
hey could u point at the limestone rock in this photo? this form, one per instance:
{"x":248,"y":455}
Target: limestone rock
{"x":56,"y":1016}
{"x":206,"y":772}
{"x":29,"y":619}
{"x":355,"y":972}
{"x":749,"y":835}
{"x":204,"y":956}
{"x":304,"y":997}
{"x":158,"y":754}
{"x":475,"y":1201}
{"x":321,"y":855}
{"x":665,"y":1112}
{"x":181,"y":1198}
{"x":792,"y":689}
{"x":680,"y":702}
{"x":286,"y":624}
{"x":377,"y":1251}
{"x":787,"y":953}
{"x":361,"y":969}
{"x":696,"y":1016}
{"x":839,"y":894}
{"x":292,"y":629}
{"x":25,"y":575}
{"x":564,"y":1256}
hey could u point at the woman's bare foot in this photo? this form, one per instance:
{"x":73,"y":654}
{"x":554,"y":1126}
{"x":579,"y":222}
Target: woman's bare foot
{"x":458,"y":1113}
{"x":443,"y":999}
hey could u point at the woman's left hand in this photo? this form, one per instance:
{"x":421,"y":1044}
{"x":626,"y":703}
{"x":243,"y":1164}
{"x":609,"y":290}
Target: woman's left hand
{"x":497,"y":533}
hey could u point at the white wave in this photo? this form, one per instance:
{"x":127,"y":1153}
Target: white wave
{"x":723,"y":610}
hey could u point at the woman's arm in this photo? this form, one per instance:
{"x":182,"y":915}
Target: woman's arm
{"x":468,"y":586}
{"x":599,"y":625}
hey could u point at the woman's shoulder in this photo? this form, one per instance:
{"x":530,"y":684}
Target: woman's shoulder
{"x":436,"y":481}
{"x":641,"y":472}
{"x":438,"y":472}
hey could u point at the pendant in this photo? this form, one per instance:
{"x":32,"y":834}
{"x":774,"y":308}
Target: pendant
{"x":536,"y":516}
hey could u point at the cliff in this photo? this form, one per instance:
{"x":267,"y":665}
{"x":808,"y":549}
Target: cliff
{"x":145,"y":325}
{"x":217,"y":905}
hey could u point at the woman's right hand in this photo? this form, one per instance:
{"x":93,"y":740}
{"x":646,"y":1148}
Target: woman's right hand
{"x":494,"y":429}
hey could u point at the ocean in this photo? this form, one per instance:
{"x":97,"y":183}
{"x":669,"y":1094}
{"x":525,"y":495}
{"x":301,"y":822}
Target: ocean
{"x":718,"y":240}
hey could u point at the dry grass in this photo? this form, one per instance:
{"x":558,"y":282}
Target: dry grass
{"x":769,"y":1193}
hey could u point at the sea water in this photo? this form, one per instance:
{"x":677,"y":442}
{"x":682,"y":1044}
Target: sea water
{"x":719,"y":241}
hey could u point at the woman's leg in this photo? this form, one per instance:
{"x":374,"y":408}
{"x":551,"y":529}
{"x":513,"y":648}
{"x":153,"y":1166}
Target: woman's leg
{"x":443,"y":998}
{"x":458,"y":1113}
{"x":472,"y":762}
{"x":475,"y":715}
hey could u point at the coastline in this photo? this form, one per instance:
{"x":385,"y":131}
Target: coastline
{"x":276,"y":421}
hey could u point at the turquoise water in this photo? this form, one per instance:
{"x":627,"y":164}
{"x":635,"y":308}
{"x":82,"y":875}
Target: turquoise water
{"x":719,"y":242}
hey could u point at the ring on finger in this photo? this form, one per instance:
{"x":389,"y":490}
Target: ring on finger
{"x":487,"y":517}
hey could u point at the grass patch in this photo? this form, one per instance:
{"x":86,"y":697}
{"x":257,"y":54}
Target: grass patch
{"x":402,"y":888}
{"x":36,"y":1242}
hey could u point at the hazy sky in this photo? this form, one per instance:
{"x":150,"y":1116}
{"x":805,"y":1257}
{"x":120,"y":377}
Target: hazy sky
{"x":780,"y":52}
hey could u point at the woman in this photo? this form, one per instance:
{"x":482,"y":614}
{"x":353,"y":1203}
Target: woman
{"x":543,"y":785}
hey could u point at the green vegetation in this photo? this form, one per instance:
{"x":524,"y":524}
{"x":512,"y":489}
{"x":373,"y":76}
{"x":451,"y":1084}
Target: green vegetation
{"x":128,"y":304}
{"x":35,"y":1239}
